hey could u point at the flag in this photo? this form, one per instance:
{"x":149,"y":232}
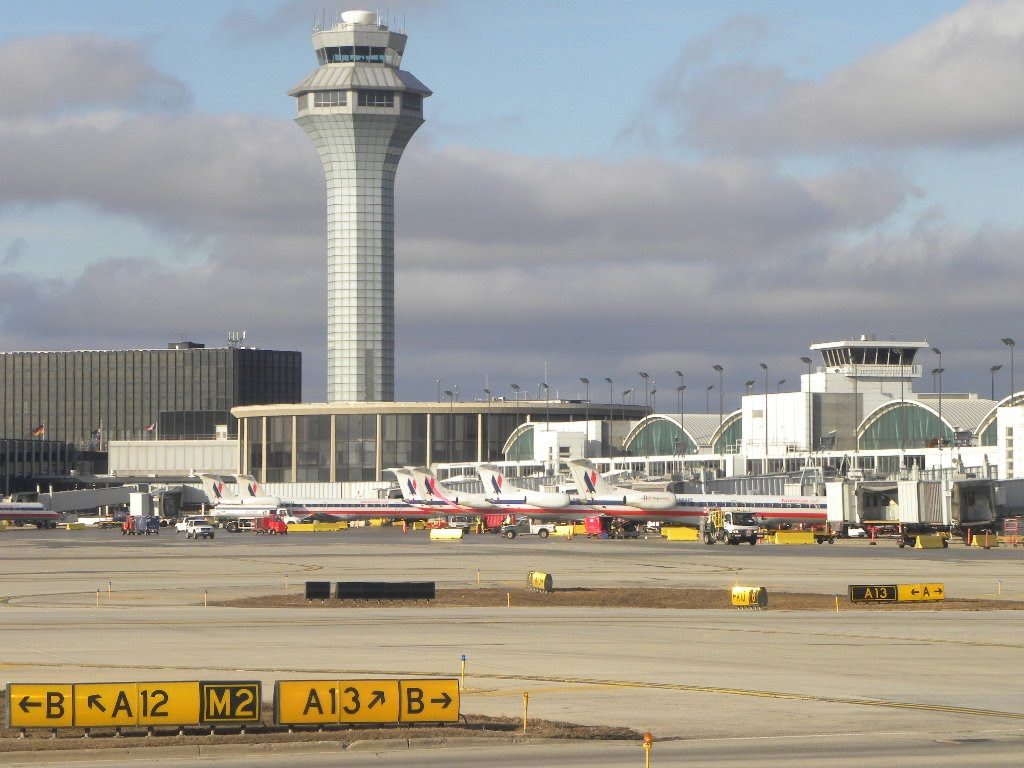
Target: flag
{"x":151,"y":427}
{"x":40,"y":430}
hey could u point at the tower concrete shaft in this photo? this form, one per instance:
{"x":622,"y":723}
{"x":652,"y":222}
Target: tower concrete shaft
{"x":360,"y":110}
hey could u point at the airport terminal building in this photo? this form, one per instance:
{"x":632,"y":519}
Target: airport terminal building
{"x":357,"y":442}
{"x":87,"y":398}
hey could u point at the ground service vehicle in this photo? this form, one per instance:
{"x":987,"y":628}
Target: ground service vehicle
{"x":240,"y":524}
{"x":605,"y":527}
{"x":197,"y":528}
{"x":527,"y":527}
{"x":137,"y":525}
{"x":270,"y":524}
{"x":730,"y":527}
{"x":182,"y":524}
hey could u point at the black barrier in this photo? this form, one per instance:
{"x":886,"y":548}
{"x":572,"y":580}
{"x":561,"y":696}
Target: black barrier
{"x":318,"y":590}
{"x":383,"y":590}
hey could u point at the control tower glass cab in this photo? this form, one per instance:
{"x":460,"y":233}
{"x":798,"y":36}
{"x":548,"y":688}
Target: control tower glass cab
{"x":360,"y":110}
{"x":868,"y":359}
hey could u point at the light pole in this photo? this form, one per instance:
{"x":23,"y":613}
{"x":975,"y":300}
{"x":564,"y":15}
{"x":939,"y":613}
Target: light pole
{"x":903,"y":408}
{"x":1011,"y":344}
{"x":487,"y":428}
{"x":547,"y":407}
{"x":625,"y":394}
{"x":721,"y":398}
{"x":778,"y":387}
{"x":654,"y":398}
{"x":611,"y":414}
{"x":682,"y":428}
{"x":451,"y":420}
{"x":707,"y":398}
{"x":438,"y":390}
{"x":993,"y":370}
{"x":939,"y":370}
{"x":586,"y":415}
{"x":749,"y":384}
{"x":515,"y":417}
{"x":810,"y":424}
{"x":764,"y":367}
{"x":647,"y":390}
{"x":680,"y":390}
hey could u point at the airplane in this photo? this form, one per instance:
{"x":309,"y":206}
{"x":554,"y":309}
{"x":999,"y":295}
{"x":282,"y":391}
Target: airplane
{"x":440,"y":499}
{"x":596,"y":492}
{"x":30,"y":512}
{"x":689,"y":509}
{"x":507,"y":496}
{"x":254,"y":500}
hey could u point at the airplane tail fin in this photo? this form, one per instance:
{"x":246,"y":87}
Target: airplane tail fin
{"x":215,"y":489}
{"x":248,"y":488}
{"x":493,"y":480}
{"x":588,"y":480}
{"x":408,"y":485}
{"x":429,"y":485}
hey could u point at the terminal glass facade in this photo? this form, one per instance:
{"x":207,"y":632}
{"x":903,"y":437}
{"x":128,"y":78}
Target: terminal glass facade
{"x":660,"y":437}
{"x":732,"y":436}
{"x":905,"y":425}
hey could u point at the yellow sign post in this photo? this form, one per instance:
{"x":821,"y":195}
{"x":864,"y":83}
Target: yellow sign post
{"x":40,"y":706}
{"x":429,"y":701}
{"x":912,"y":593}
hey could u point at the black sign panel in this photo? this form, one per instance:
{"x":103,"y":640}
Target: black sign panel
{"x":230,"y":702}
{"x":874,"y":593}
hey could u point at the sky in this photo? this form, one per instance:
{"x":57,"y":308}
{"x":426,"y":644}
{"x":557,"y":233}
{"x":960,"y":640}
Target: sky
{"x":599,"y":188}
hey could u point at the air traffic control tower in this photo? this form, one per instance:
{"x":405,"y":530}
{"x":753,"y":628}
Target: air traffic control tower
{"x":360,"y":110}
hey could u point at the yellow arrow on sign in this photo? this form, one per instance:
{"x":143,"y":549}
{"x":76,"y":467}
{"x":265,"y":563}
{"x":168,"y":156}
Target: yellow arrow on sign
{"x":40,"y":706}
{"x":429,"y":701}
{"x":909,"y":593}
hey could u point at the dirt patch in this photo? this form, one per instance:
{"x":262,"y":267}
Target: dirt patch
{"x":619,"y":597}
{"x":476,"y":726}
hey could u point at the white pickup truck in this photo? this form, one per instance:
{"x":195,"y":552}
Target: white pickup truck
{"x":526,"y":528}
{"x":198,"y":528}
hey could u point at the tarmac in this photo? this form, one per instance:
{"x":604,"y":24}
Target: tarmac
{"x":93,"y":606}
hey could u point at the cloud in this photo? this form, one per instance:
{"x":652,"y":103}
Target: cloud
{"x":505,"y":262}
{"x":62,"y":73}
{"x":536,"y":209}
{"x":953,"y":82}
{"x":13,"y":253}
{"x":243,"y":26}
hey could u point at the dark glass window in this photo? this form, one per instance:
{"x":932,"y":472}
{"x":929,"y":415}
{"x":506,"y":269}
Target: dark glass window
{"x":376,"y":98}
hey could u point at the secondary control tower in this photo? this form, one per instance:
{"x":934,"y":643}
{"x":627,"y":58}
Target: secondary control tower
{"x":360,"y":110}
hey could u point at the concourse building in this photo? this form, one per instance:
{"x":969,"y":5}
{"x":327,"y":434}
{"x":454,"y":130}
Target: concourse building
{"x":357,"y":442}
{"x":856,"y":410}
